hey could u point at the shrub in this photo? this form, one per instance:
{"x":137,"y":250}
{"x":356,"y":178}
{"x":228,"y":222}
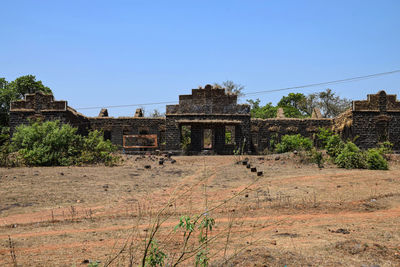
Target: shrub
{"x":375,"y":160}
{"x":334,"y":145}
{"x":52,"y":143}
{"x":293,"y":142}
{"x":47,"y":144}
{"x":96,"y":149}
{"x":385,"y":148}
{"x":351,"y":157}
{"x":317,"y":157}
{"x":323,"y":136}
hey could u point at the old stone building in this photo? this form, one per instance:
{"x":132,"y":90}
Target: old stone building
{"x":217,"y":123}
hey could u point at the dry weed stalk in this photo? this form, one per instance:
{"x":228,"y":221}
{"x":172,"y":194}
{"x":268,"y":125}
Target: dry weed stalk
{"x":12,"y":252}
{"x":188,"y":249}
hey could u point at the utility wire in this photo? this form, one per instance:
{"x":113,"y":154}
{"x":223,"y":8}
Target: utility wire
{"x":353,"y":79}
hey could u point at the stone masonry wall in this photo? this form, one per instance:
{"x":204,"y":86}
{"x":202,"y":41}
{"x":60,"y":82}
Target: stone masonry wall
{"x":263,"y":130}
{"x":369,"y":122}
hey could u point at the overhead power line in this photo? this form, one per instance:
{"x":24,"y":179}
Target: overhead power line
{"x":353,"y":79}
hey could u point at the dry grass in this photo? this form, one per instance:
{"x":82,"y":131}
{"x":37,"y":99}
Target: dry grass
{"x":294,"y":215}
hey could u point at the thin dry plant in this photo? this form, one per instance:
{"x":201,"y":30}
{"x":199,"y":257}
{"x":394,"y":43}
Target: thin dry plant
{"x":144,"y":250}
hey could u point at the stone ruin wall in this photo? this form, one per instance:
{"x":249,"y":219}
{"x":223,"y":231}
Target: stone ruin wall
{"x":43,"y":107}
{"x":116,"y":128}
{"x":367,"y":122}
{"x":264,"y":130}
{"x":376,"y":119}
{"x":208,"y":108}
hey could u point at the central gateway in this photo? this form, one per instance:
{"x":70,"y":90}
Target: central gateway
{"x":215,"y":121}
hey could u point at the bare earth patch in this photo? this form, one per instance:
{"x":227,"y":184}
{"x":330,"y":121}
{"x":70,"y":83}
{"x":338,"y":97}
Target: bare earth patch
{"x":293,"y":215}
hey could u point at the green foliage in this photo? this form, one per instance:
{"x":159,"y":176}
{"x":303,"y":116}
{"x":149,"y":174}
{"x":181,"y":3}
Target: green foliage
{"x":155,"y":256}
{"x":264,"y":112}
{"x":47,"y":144}
{"x":293,"y":142}
{"x":351,"y":157}
{"x":188,"y":226}
{"x":16,"y":90}
{"x":385,"y":148}
{"x":323,"y":136}
{"x":202,"y":258}
{"x":52,"y":143}
{"x":375,"y":160}
{"x":297,"y":105}
{"x":334,"y":145}
{"x":186,"y":139}
{"x":93,"y":264}
{"x":228,"y":137}
{"x":294,"y":105}
{"x":96,"y":149}
{"x":317,"y":157}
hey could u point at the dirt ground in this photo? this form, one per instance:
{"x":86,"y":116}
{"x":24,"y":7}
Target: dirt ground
{"x":294,"y":214}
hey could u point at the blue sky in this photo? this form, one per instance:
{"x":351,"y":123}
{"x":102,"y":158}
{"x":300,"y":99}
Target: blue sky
{"x":102,"y":53}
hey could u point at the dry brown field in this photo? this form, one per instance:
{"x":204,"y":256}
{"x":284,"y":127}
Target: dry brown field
{"x":294,"y":215}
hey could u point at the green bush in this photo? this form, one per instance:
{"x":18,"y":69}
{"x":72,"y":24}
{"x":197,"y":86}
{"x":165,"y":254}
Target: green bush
{"x":293,"y":142}
{"x":52,"y":143}
{"x":375,"y":160}
{"x":351,"y":157}
{"x":96,"y":149}
{"x":334,"y":145}
{"x":385,"y":148}
{"x":323,"y":136}
{"x":317,"y":157}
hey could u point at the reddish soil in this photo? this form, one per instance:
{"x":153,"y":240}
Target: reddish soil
{"x":294,"y":215}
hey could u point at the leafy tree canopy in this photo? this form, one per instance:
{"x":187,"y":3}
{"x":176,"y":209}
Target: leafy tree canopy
{"x":11,"y":91}
{"x":298,"y":105}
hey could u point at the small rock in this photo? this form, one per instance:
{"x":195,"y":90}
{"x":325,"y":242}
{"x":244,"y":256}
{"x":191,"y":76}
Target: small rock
{"x":373,"y":200}
{"x":173,"y":161}
{"x":161,"y":162}
{"x":340,"y":231}
{"x":248,"y":166}
{"x":254,"y":169}
{"x":247,"y":195}
{"x":277,"y":158}
{"x":295,"y":152}
{"x":85,"y":261}
{"x":147,"y":166}
{"x":61,"y":173}
{"x":244,"y":162}
{"x":260,"y":173}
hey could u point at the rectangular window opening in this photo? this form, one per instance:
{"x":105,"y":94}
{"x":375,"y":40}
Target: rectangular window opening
{"x":207,"y":138}
{"x":229,"y":134}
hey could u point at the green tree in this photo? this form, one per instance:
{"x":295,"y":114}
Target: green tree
{"x":294,"y":105}
{"x":263,"y":112}
{"x":16,"y":90}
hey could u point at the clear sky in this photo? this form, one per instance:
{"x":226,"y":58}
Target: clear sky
{"x":102,"y":53}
